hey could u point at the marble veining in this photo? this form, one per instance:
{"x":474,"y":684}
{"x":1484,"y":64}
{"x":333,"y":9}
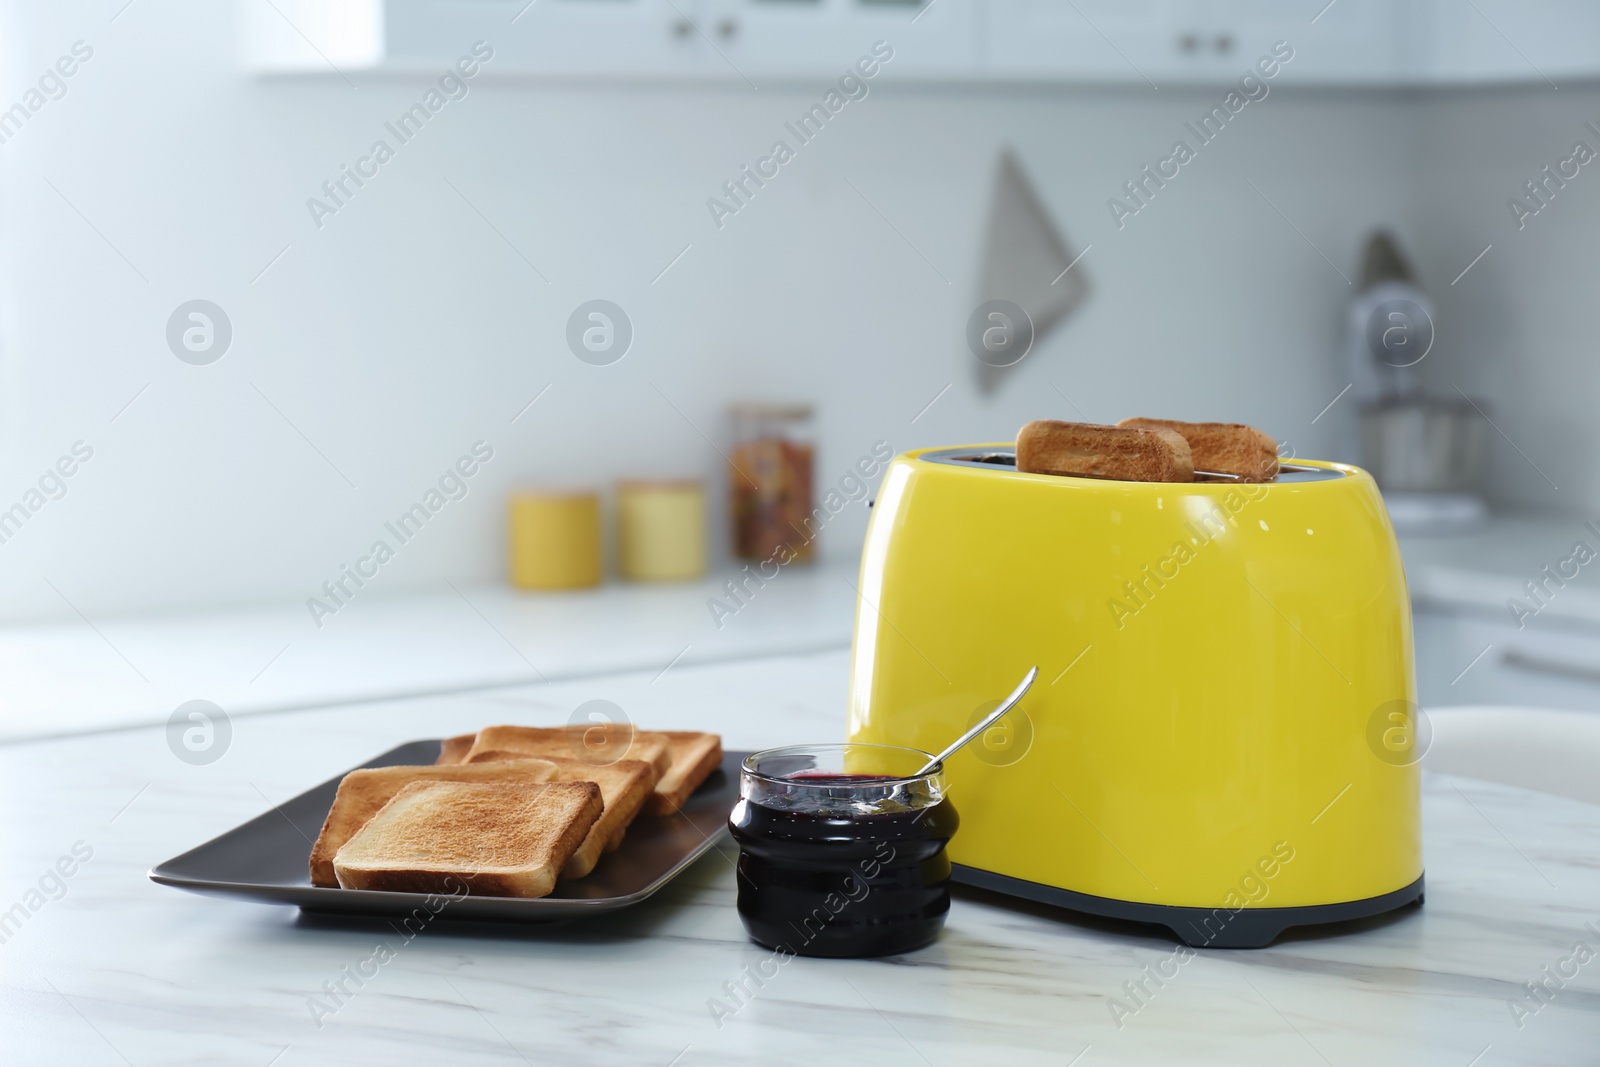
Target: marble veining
{"x":115,"y":969}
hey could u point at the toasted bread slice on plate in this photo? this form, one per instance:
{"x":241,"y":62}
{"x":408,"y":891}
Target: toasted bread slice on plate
{"x":600,"y":743}
{"x":495,"y":839}
{"x":694,"y":756}
{"x":625,"y":786}
{"x":1124,"y":453}
{"x":1222,"y":447}
{"x":364,"y":792}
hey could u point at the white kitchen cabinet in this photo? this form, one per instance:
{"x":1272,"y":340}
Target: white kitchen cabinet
{"x":1351,"y":42}
{"x":1197,"y":42}
{"x":1140,"y":43}
{"x":1346,"y":42}
{"x":1533,"y":41}
{"x":577,"y":38}
{"x":800,"y":38}
{"x":1143,"y":42}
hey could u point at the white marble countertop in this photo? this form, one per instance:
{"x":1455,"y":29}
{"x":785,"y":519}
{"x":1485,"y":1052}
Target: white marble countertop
{"x":103,"y":673}
{"x":121,"y":970}
{"x":100,"y":673}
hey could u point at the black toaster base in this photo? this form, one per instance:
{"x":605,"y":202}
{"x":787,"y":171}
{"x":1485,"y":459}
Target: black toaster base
{"x":1196,"y":927}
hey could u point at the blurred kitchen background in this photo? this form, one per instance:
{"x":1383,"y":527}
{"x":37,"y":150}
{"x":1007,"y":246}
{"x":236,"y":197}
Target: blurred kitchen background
{"x":374,"y":340}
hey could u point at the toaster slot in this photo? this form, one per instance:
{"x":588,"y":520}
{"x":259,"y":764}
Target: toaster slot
{"x":1005,"y":459}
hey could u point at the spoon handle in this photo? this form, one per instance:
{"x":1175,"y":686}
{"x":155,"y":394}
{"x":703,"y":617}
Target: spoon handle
{"x":988,"y":721}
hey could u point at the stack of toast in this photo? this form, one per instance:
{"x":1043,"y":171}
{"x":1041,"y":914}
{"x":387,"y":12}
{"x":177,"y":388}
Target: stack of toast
{"x":507,"y":811}
{"x":1148,"y":450}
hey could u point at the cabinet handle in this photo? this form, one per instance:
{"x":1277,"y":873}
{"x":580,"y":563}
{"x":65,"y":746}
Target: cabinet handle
{"x":1516,"y":658}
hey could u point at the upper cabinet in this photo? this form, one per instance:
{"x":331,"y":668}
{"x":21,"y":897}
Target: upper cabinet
{"x":805,"y":38}
{"x":1197,"y":42}
{"x":568,"y":38}
{"x":1348,"y":42}
{"x":1488,"y":41}
{"x":1095,"y":41}
{"x":1151,"y":43}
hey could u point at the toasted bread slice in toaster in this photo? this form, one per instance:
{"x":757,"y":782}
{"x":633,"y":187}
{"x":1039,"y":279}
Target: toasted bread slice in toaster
{"x":455,"y":749}
{"x":625,"y":786}
{"x":599,"y":743}
{"x":364,"y":792}
{"x":495,"y":839}
{"x":1124,"y":453}
{"x":694,"y":756}
{"x":1223,"y":447}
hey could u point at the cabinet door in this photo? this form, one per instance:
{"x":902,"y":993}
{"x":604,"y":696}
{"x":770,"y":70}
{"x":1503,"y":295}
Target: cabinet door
{"x":1199,"y":42}
{"x":1087,"y":40}
{"x":1135,"y":42}
{"x":1348,"y":42}
{"x":1536,"y":41}
{"x":821,"y":38}
{"x":605,"y":38}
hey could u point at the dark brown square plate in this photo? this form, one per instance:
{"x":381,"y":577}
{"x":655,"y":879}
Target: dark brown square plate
{"x":267,"y":858}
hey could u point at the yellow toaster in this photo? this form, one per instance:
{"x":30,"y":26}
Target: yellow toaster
{"x":1222,"y":737}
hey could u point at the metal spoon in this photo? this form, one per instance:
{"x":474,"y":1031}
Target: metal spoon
{"x":988,"y":720}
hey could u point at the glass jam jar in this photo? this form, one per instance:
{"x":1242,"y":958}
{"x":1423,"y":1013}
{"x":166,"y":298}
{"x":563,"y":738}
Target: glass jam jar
{"x":770,"y":494}
{"x":842,"y":849}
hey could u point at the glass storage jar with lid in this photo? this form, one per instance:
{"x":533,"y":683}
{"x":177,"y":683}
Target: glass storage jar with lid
{"x":770,"y":485}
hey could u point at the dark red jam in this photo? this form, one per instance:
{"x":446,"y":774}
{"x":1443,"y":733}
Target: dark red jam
{"x":832,"y":883}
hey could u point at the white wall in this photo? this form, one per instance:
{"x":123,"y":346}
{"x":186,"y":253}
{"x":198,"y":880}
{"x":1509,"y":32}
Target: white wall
{"x":405,"y":329}
{"x":1520,"y":328}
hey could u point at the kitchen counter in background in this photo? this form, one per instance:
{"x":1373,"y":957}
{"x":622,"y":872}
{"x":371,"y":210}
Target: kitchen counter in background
{"x":119,"y":966}
{"x":1472,"y":649}
{"x":107,"y":673}
{"x":1480,"y":570}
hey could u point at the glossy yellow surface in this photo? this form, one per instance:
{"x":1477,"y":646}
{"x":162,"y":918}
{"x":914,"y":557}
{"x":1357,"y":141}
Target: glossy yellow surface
{"x":1218,"y":671}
